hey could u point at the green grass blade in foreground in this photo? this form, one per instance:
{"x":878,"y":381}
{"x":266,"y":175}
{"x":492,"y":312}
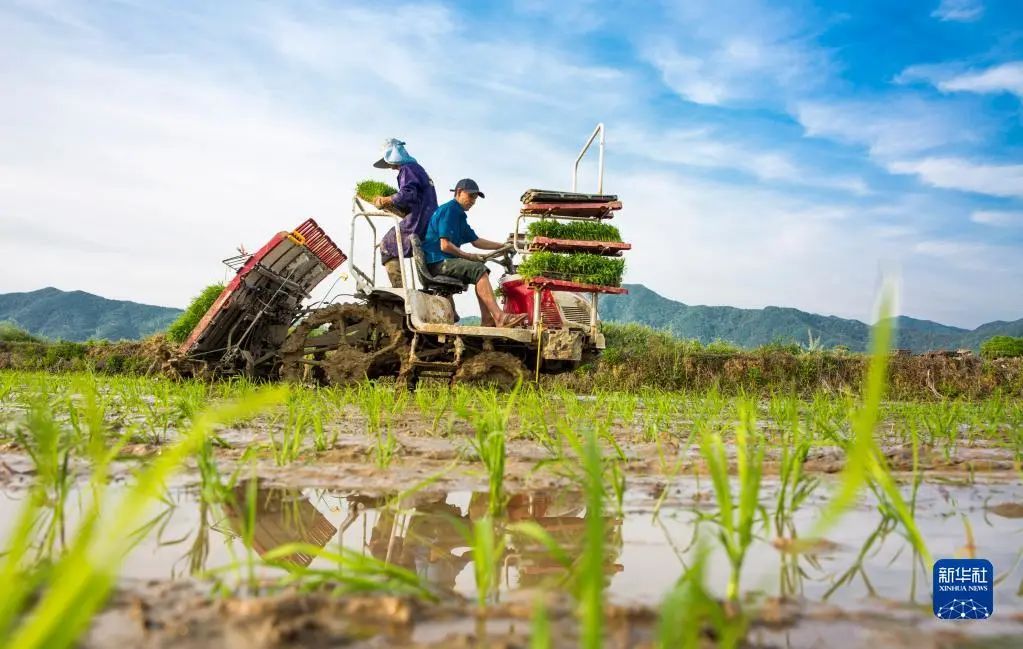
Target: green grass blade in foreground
{"x":356,"y":572}
{"x":591,"y":565}
{"x":540,"y":627}
{"x":864,"y":459}
{"x":80,"y":582}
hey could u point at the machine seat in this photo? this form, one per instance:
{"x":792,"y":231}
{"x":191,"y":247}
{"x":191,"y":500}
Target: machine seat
{"x":437,"y":284}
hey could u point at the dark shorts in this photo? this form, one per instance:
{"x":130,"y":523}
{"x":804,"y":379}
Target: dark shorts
{"x":468,"y":271}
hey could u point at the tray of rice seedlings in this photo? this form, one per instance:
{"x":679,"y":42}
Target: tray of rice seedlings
{"x":576,"y":236}
{"x":368,"y":190}
{"x":580,"y":268}
{"x":575,"y":230}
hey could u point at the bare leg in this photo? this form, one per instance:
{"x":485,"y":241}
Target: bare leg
{"x":489,"y":310}
{"x":491,"y":314}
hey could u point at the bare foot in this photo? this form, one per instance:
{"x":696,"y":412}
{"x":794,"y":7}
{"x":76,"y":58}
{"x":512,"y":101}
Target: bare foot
{"x":511,"y":319}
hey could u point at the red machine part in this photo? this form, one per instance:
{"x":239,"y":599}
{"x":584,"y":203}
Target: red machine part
{"x":277,"y":251}
{"x":320,"y":244}
{"x":518,"y":298}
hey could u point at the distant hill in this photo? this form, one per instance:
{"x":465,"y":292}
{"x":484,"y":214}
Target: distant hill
{"x":76,"y":315}
{"x":754,"y":327}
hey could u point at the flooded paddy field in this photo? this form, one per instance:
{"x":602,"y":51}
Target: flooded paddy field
{"x":467,"y":517}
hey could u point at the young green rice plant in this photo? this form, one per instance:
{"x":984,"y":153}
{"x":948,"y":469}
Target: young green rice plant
{"x":490,"y":422}
{"x":574,"y":230}
{"x":378,"y":404}
{"x":292,"y":431}
{"x":77,"y":585}
{"x":180,"y":329}
{"x":488,"y":547}
{"x":794,"y":485}
{"x":737,"y":513}
{"x":826,"y":418}
{"x":576,"y":267}
{"x":688,"y":611}
{"x":941,"y":423}
{"x":367,"y":190}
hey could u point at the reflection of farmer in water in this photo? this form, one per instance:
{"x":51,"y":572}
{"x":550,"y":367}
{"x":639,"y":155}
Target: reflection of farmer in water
{"x":434,"y":542}
{"x":282,"y":516}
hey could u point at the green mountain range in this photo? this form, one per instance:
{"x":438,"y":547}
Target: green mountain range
{"x":754,"y":327}
{"x":76,"y":315}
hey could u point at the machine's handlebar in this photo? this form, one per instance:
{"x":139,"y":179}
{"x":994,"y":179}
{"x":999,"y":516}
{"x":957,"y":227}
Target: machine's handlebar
{"x":502,"y":256}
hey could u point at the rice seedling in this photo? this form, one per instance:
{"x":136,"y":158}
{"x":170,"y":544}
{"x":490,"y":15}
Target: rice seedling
{"x":370,"y":189}
{"x":689,"y":611}
{"x":490,"y":422}
{"x":941,"y":423}
{"x":577,"y":267}
{"x":737,"y":514}
{"x":378,"y":405}
{"x":488,"y":546}
{"x":179,"y":330}
{"x":574,"y":230}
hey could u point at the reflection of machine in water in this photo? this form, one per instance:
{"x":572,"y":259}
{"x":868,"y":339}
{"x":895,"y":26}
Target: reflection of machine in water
{"x":431,"y":538}
{"x":562,"y":515}
{"x":282,"y":516}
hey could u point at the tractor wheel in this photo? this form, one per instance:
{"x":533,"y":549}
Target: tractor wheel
{"x":340,"y":345}
{"x":498,"y":369}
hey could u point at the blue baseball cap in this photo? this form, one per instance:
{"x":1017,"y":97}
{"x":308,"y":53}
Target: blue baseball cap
{"x":469,"y":185}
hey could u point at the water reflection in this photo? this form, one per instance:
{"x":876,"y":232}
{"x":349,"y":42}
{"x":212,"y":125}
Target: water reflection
{"x":431,"y":538}
{"x":870,"y":560}
{"x":281,"y":516}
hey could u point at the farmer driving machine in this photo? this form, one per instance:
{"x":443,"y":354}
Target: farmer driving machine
{"x":258,"y":326}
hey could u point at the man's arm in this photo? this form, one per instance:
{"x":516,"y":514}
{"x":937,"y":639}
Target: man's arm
{"x":451,"y":249}
{"x":487,"y":244}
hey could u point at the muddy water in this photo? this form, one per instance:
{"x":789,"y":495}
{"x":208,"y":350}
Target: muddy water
{"x":864,"y":563}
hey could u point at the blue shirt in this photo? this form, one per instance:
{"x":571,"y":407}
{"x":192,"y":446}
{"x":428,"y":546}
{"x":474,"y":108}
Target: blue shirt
{"x":417,"y":196}
{"x":448,"y":222}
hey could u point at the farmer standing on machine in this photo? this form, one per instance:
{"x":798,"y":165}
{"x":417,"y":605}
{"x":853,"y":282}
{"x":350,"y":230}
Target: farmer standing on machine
{"x":448,"y":230}
{"x":416,"y":197}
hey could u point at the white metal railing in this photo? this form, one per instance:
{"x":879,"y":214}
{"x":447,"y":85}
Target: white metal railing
{"x":600,"y":159}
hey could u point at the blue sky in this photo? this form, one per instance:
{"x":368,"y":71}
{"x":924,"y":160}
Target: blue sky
{"x":767,"y":153}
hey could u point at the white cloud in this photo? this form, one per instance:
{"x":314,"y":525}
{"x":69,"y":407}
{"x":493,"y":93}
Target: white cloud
{"x":735,"y":52}
{"x":952,"y":77}
{"x":753,"y":247}
{"x":1007,"y":77}
{"x":1001,"y":218}
{"x":889,"y":126}
{"x":707,"y":148}
{"x":965,"y":175}
{"x":959,"y":10}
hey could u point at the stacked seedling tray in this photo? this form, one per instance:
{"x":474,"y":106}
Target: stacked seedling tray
{"x":567,"y":243}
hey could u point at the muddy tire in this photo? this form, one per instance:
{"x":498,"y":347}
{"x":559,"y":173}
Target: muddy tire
{"x":498,"y":369}
{"x":340,"y":344}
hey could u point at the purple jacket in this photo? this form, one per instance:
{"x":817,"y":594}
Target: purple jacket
{"x":417,"y":196}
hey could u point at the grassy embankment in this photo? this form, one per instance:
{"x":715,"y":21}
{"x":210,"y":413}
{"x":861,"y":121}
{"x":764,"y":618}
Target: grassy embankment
{"x":637,"y":358}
